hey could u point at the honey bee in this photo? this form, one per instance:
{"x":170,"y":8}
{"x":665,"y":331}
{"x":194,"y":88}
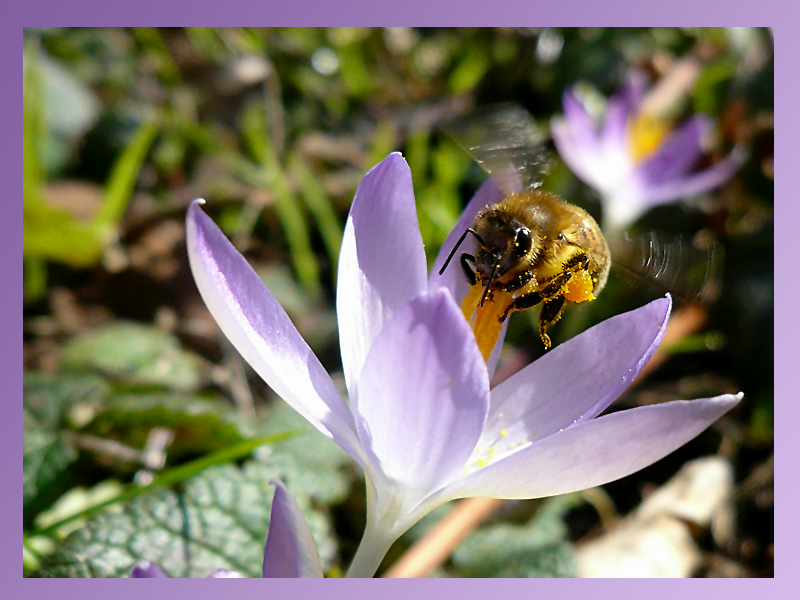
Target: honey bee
{"x":532,"y":247}
{"x":535,"y":248}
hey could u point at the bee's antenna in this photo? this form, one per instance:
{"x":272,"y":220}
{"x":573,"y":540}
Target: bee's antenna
{"x":458,"y":243}
{"x":491,"y":280}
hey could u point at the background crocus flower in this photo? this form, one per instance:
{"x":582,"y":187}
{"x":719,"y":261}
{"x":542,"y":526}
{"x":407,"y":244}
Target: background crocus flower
{"x":290,"y":550}
{"x":634,"y":159}
{"x":421,"y":420}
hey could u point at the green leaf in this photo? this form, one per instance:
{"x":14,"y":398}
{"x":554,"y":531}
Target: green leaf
{"x":314,"y":465}
{"x":47,"y":398}
{"x":45,"y":459}
{"x":47,"y":454}
{"x":537,"y":549}
{"x":200,"y":424}
{"x":137,"y":354}
{"x":218,"y":520}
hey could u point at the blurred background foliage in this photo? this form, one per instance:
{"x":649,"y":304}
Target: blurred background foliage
{"x":139,"y":414}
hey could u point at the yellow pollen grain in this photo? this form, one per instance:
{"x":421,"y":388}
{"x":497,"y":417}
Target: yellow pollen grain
{"x":503,"y":433}
{"x":482,"y":463}
{"x":580,"y":288}
{"x":500,"y":415}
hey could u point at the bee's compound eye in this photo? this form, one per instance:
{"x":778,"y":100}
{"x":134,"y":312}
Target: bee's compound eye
{"x":522,"y":240}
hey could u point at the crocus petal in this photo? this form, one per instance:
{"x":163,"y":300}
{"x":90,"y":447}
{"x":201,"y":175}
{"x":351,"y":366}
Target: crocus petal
{"x":262,"y":332}
{"x":621,"y":107}
{"x":423,"y":397}
{"x":579,"y":159}
{"x":595,"y":452}
{"x":576,"y":380}
{"x":290,"y":550}
{"x":695,"y":184}
{"x":679,"y":152}
{"x":382,"y":261}
{"x":582,"y":128}
{"x":145,"y":569}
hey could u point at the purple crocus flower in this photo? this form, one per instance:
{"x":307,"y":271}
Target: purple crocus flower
{"x":421,"y":419}
{"x":635,"y":160}
{"x":290,"y":549}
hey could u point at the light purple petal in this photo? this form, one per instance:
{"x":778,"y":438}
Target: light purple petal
{"x":262,"y":332}
{"x":382,"y":261}
{"x":582,"y":128}
{"x":424,"y":396}
{"x":290,"y":549}
{"x":578,"y":158}
{"x":576,"y":380}
{"x":679,"y":152}
{"x":621,"y":107}
{"x":696,"y":183}
{"x":145,"y":569}
{"x":595,"y":452}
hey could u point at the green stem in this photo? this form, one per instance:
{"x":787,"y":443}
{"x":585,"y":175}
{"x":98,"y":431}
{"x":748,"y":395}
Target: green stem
{"x":371,"y":552}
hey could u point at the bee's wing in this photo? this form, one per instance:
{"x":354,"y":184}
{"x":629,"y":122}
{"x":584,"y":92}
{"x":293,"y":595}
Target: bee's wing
{"x":506,"y":143}
{"x":691,"y":271}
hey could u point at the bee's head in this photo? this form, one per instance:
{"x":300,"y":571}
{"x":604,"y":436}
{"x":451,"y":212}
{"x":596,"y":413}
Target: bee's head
{"x":504,"y":242}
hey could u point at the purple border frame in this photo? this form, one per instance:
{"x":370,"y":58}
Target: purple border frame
{"x":322,"y":12}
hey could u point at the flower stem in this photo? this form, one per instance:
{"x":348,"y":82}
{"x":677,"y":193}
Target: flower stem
{"x":371,"y":551}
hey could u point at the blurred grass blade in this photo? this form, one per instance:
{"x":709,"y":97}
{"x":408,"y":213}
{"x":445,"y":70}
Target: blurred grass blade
{"x":384,"y":142}
{"x":319,"y":203}
{"x":33,"y":126}
{"x":287,"y":204}
{"x":174,"y":476}
{"x":34,"y":278}
{"x":124,"y":174}
{"x":47,"y":232}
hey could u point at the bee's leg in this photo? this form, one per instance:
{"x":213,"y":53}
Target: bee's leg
{"x":521,"y":303}
{"x":469,"y":272}
{"x":555,"y":285}
{"x":551,"y":312}
{"x":579,"y":262}
{"x":518,"y":282}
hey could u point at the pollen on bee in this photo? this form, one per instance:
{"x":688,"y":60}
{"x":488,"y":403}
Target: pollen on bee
{"x":580,"y":287}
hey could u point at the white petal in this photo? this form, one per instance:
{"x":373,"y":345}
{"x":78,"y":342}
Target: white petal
{"x":575,"y":380}
{"x":382,"y":261}
{"x":594,"y":453}
{"x":251,"y":318}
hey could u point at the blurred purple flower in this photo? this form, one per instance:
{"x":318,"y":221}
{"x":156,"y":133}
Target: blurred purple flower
{"x":421,"y":420}
{"x":290,"y":549}
{"x":635,"y":160}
